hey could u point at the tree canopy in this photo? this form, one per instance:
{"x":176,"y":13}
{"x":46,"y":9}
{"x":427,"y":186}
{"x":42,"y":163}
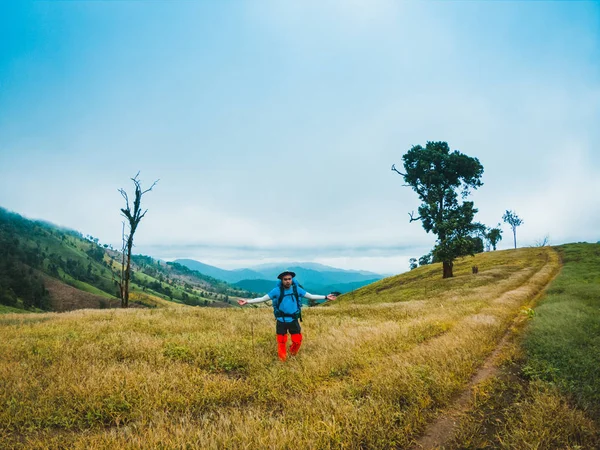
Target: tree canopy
{"x":493,"y":236}
{"x":439,"y":176}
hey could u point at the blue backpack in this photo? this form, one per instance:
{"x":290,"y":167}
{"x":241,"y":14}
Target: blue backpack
{"x":278,"y":300}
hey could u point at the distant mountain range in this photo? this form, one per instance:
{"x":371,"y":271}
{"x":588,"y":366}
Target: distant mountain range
{"x":230,"y":276}
{"x":316,"y":278}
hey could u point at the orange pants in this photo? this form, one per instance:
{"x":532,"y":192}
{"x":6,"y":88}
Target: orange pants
{"x":282,"y":347}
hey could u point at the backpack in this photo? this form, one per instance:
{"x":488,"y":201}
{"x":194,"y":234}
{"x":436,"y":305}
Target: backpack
{"x":276,"y":303}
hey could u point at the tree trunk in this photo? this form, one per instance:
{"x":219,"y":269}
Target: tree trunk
{"x":515,"y":236}
{"x":125,"y":297}
{"x":448,"y":269}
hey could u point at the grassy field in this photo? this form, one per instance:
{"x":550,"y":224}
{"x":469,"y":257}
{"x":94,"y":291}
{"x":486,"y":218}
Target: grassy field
{"x":375,"y":367}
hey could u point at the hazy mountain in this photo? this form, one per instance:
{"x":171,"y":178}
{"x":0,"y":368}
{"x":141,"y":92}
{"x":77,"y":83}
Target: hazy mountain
{"x":230,"y":276}
{"x":309,"y":265}
{"x":325,"y":277}
{"x":312,"y":274}
{"x":316,"y":278}
{"x":261,"y":287}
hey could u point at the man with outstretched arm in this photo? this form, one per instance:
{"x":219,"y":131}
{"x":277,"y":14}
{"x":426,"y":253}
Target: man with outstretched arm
{"x":287,"y":307}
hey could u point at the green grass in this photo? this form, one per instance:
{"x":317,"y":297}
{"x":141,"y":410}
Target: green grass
{"x":9,"y":309}
{"x":86,"y":287}
{"x":563,"y":342}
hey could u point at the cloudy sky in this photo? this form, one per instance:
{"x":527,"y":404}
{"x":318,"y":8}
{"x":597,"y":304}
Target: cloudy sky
{"x":272,"y":125}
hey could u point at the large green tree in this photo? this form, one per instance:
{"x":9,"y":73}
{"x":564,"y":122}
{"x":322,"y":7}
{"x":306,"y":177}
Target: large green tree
{"x":439,"y":176}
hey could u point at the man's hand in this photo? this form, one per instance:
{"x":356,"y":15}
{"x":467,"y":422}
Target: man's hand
{"x":242,"y":302}
{"x":330,"y":297}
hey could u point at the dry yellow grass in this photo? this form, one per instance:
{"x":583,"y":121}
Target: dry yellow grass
{"x":152,"y":300}
{"x":374,"y":368}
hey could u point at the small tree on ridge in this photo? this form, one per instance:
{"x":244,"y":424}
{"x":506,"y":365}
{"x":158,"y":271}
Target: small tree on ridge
{"x":493,"y":236}
{"x":514,"y":221}
{"x":412,"y":262}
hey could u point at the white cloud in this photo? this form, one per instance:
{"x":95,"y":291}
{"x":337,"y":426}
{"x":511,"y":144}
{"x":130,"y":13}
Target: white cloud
{"x":565,"y":204}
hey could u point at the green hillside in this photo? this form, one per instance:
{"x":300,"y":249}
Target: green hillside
{"x":40,"y":261}
{"x":377,"y":368}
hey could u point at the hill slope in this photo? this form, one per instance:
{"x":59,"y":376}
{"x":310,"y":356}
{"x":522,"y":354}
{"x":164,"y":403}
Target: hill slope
{"x":42,"y":264}
{"x":375,"y":367}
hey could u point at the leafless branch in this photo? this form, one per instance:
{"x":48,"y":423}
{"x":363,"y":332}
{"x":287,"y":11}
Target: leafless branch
{"x":150,"y":188}
{"x":412,"y":217}
{"x":397,"y":171}
{"x":124,"y":194}
{"x":137,"y":184}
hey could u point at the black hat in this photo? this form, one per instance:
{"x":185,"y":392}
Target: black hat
{"x":286,"y":272}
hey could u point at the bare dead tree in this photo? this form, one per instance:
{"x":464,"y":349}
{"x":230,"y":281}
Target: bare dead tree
{"x":543,"y":242}
{"x":133,"y":218}
{"x":123,"y":253}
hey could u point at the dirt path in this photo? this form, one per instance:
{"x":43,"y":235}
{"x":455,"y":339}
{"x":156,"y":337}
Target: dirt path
{"x":439,"y":432}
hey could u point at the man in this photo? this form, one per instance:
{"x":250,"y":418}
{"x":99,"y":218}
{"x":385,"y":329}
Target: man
{"x":287,"y":308}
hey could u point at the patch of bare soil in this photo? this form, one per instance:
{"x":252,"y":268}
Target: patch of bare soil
{"x":68,"y":298}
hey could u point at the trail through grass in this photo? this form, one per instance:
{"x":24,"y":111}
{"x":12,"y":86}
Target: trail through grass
{"x":548,"y":393}
{"x":374,"y":369}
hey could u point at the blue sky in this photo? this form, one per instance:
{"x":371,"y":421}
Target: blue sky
{"x":273,"y":125}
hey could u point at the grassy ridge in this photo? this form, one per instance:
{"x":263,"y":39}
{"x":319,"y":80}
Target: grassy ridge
{"x":375,"y":366}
